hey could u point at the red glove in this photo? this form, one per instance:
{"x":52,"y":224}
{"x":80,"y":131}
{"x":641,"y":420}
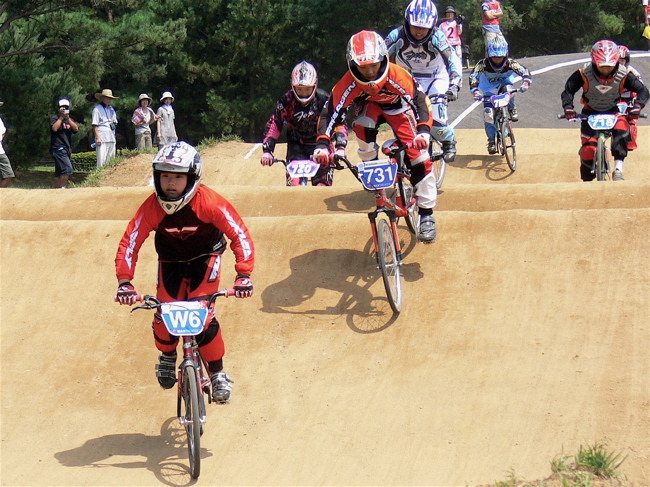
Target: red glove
{"x":524,"y":86}
{"x":476,"y":95}
{"x":634,"y":113}
{"x":243,"y":286}
{"x":569,"y":113}
{"x":421,"y":141}
{"x":126,"y":294}
{"x":322,"y":156}
{"x":340,"y":152}
{"x":267,"y":159}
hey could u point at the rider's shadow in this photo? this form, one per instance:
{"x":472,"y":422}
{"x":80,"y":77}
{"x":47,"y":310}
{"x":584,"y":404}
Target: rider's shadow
{"x":495,"y":166}
{"x":165,"y":455}
{"x":348,"y":273}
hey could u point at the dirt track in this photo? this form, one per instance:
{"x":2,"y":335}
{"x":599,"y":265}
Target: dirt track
{"x":524,"y":332}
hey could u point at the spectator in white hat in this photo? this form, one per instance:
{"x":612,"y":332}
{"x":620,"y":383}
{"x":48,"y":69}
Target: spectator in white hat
{"x":61,"y":129}
{"x":143,"y":116}
{"x":166,"y":128}
{"x":104,"y":120}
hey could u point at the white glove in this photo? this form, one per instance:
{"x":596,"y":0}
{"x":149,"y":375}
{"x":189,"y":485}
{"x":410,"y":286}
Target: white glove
{"x":421,"y":141}
{"x":267,"y":159}
{"x":524,"y":86}
{"x":322,"y":156}
{"x":340,"y":152}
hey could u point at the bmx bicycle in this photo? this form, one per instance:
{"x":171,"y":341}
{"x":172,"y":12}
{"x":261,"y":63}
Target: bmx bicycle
{"x":300,"y":170}
{"x":379,"y":176}
{"x":505,"y":136}
{"x":603,"y":123}
{"x":186,"y":319}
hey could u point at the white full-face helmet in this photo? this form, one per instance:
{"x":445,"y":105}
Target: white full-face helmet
{"x":304,"y":74}
{"x":179,"y":157}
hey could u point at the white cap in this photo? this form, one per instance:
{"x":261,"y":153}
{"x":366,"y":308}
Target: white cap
{"x":64,"y":102}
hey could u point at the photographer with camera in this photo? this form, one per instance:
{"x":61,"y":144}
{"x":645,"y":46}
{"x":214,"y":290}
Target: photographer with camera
{"x":61,"y":129}
{"x":452,"y":27}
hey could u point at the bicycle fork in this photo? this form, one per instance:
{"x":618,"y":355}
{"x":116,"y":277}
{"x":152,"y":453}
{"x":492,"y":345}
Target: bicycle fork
{"x":201,"y":381}
{"x":372,"y":216}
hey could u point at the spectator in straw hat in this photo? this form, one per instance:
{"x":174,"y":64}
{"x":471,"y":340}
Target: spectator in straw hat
{"x":142,"y":117}
{"x":6,"y":173}
{"x":104,"y":120}
{"x":166,"y":128}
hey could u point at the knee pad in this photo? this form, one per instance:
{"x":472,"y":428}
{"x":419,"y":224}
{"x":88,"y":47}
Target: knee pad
{"x":588,"y":151}
{"x":443,"y":134}
{"x":426,"y":191}
{"x":207,"y":335}
{"x":367,"y":150}
{"x":163,"y":340}
{"x":488,"y":115}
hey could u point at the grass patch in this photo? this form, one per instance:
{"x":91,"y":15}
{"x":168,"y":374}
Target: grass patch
{"x":591,"y":466}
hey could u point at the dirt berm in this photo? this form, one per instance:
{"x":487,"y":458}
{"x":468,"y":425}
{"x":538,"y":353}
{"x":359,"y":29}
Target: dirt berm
{"x":524,"y":332}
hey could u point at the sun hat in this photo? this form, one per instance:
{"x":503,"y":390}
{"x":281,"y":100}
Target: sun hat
{"x":64,"y":102}
{"x":144,"y":96}
{"x":1,"y":103}
{"x":107,"y":94}
{"x":167,"y":94}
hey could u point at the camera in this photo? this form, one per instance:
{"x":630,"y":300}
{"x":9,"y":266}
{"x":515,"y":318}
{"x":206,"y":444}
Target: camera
{"x":460,"y":19}
{"x":65,"y":110}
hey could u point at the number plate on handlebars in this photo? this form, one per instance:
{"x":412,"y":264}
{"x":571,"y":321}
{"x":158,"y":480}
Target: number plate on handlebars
{"x":302,"y":168}
{"x":501,"y":100}
{"x":184,"y":317}
{"x":602,"y":121}
{"x":379,"y":174}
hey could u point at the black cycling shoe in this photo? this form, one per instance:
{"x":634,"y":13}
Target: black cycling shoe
{"x":166,"y":371}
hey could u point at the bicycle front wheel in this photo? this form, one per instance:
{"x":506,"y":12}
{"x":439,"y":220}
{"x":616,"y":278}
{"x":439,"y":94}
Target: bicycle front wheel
{"x":406,"y":193}
{"x":389,"y":265}
{"x":508,"y":145}
{"x":600,"y":163}
{"x":191,"y":418}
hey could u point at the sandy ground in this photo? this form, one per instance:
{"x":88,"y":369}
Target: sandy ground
{"x":524,"y":332}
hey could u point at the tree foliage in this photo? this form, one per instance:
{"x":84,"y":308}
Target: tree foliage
{"x":228,"y":61}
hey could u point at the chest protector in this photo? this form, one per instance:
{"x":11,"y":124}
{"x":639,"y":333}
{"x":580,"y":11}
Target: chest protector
{"x":601,"y":96}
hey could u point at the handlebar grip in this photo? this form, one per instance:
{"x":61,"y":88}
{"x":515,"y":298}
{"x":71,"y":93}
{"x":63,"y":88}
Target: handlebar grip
{"x":138,"y":298}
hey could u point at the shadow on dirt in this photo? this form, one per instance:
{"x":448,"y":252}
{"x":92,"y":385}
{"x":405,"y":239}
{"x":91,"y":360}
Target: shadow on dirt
{"x":349,"y":273}
{"x":165,"y":455}
{"x":495,"y":167}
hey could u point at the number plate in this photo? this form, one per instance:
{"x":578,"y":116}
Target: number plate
{"x":379,"y":174}
{"x":501,"y":100}
{"x":302,"y":168}
{"x":602,"y":121}
{"x":184,"y":317}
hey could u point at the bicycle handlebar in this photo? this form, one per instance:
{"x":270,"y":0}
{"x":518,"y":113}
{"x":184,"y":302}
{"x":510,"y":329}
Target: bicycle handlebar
{"x":580,"y":116}
{"x":152,"y":302}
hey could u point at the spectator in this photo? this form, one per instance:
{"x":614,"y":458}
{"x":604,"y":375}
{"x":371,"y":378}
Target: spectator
{"x":142,"y":117}
{"x":5,"y":166}
{"x":166,"y":128}
{"x":452,"y":27}
{"x":104,"y":121}
{"x":61,"y":129}
{"x":490,"y":13}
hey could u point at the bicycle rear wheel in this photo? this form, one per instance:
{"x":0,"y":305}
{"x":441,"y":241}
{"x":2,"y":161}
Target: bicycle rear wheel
{"x":406,"y":193}
{"x":191,"y":418}
{"x":389,"y":265}
{"x":439,"y":164}
{"x":509,"y":148}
